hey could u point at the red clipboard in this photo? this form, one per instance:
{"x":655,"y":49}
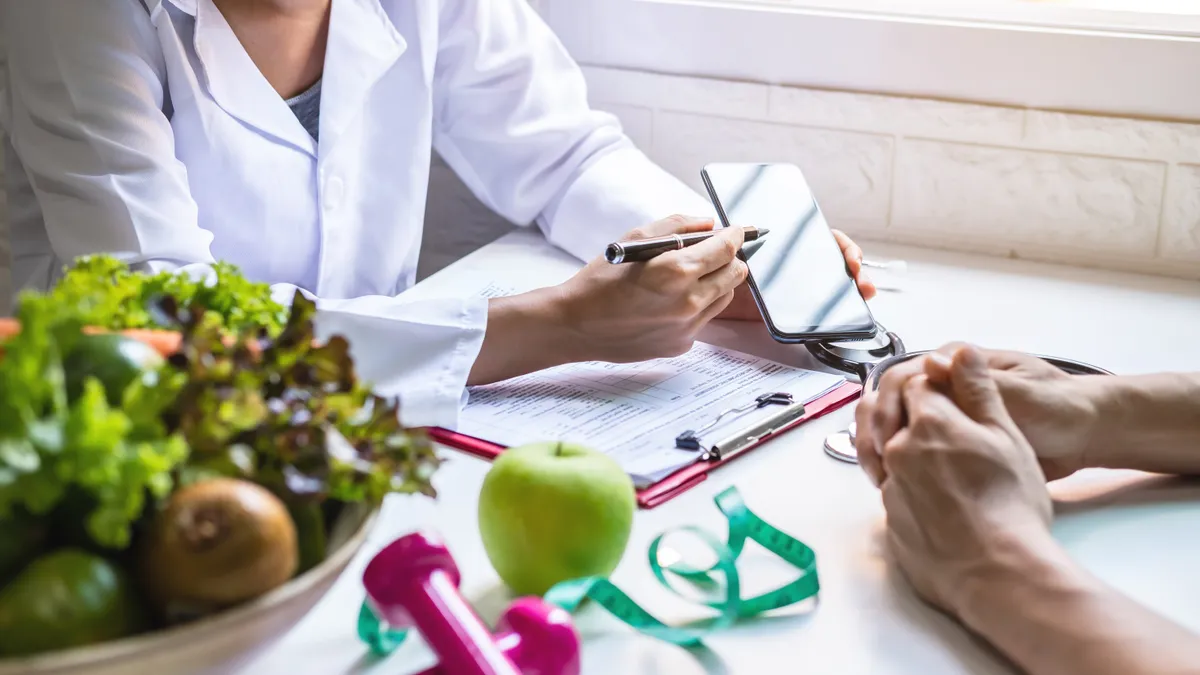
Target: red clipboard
{"x":682,"y":480}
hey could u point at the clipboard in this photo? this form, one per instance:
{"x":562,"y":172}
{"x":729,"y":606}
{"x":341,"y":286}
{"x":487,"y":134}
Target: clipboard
{"x":690,"y":475}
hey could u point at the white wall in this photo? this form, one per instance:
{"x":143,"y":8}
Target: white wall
{"x":1098,"y":191}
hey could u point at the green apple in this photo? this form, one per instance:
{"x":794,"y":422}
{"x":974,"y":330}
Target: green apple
{"x":549,"y":512}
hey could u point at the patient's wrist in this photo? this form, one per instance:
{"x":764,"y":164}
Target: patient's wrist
{"x":1146,"y":422}
{"x":1021,"y":565}
{"x":1043,"y":611}
{"x":1104,"y":426}
{"x":1108,"y":439}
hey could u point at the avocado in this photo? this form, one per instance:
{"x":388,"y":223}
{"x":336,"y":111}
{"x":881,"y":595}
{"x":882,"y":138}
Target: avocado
{"x":113,"y":359}
{"x":68,"y":598}
{"x":217,"y":543}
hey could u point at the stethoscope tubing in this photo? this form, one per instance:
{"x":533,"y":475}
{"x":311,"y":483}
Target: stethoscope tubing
{"x":895,"y":353}
{"x":871,"y":382}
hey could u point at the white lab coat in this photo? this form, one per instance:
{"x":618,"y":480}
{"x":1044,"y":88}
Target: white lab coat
{"x":142,"y":128}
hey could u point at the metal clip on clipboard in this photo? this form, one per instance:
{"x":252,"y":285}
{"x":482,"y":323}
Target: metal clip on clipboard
{"x":735,"y":443}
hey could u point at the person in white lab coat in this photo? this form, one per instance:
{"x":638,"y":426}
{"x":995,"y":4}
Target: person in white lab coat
{"x":293,"y":138}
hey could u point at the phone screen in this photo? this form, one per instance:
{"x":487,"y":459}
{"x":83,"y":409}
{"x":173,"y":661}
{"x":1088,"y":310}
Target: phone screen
{"x":798,"y":269}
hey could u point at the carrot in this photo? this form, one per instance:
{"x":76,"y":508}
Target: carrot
{"x":9,"y":328}
{"x":163,"y":341}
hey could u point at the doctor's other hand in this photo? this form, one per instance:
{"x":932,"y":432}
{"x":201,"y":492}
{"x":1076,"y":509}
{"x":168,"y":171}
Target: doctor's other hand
{"x":633,"y":312}
{"x":743,"y":307}
{"x":963,"y":490}
{"x":1056,"y":412}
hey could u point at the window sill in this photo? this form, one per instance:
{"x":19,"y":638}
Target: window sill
{"x":1159,"y":18}
{"x":1069,"y":58}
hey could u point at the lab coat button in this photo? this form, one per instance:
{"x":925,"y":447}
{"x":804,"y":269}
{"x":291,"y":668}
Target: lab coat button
{"x":333,"y":193}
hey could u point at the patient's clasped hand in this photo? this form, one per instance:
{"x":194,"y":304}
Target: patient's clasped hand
{"x":961,"y":443}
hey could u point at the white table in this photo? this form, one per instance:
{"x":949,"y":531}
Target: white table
{"x":1136,"y":532}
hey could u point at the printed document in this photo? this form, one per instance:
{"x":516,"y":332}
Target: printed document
{"x":633,"y":412}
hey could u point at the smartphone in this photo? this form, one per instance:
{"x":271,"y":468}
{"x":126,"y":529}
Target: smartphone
{"x":798,"y":275}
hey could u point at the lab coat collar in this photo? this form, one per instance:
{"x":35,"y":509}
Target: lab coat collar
{"x":237,"y":85}
{"x":363,"y":45}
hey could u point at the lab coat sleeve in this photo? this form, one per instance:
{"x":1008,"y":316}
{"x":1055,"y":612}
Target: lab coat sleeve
{"x":84,"y":114}
{"x":512,"y":118}
{"x":420,"y":351}
{"x":83,"y":109}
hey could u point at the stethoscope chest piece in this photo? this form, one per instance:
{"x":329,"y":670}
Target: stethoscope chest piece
{"x":840,"y":446}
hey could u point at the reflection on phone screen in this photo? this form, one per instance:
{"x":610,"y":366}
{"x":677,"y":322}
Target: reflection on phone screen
{"x":798,"y":268}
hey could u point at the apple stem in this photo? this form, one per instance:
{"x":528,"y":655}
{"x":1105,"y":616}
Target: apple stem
{"x":558,"y":450}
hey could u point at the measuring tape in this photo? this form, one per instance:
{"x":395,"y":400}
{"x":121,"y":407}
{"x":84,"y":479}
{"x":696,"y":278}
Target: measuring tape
{"x":744,"y":525}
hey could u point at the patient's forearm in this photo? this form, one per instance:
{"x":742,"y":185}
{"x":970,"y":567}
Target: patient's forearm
{"x":525,"y":333}
{"x":1149,"y":423}
{"x":1052,"y":618}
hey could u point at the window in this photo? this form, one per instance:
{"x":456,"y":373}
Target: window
{"x":1137,"y":58}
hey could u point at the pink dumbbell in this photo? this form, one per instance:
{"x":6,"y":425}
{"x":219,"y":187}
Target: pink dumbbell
{"x":413,"y":583}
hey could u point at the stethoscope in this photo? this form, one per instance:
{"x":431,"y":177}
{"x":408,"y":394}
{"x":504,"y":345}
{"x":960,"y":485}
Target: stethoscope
{"x":869,"y":360}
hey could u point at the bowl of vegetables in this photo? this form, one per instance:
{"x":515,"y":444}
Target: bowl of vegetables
{"x":184,"y":470}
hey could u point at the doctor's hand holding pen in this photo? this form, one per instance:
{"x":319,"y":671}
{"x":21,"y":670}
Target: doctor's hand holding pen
{"x":959,"y":444}
{"x":616,"y":313}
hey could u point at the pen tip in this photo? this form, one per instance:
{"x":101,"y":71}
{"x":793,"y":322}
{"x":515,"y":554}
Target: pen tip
{"x":762,"y":231}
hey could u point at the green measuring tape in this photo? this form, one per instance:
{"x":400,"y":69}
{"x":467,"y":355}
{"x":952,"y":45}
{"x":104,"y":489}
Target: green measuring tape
{"x":743,"y":525}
